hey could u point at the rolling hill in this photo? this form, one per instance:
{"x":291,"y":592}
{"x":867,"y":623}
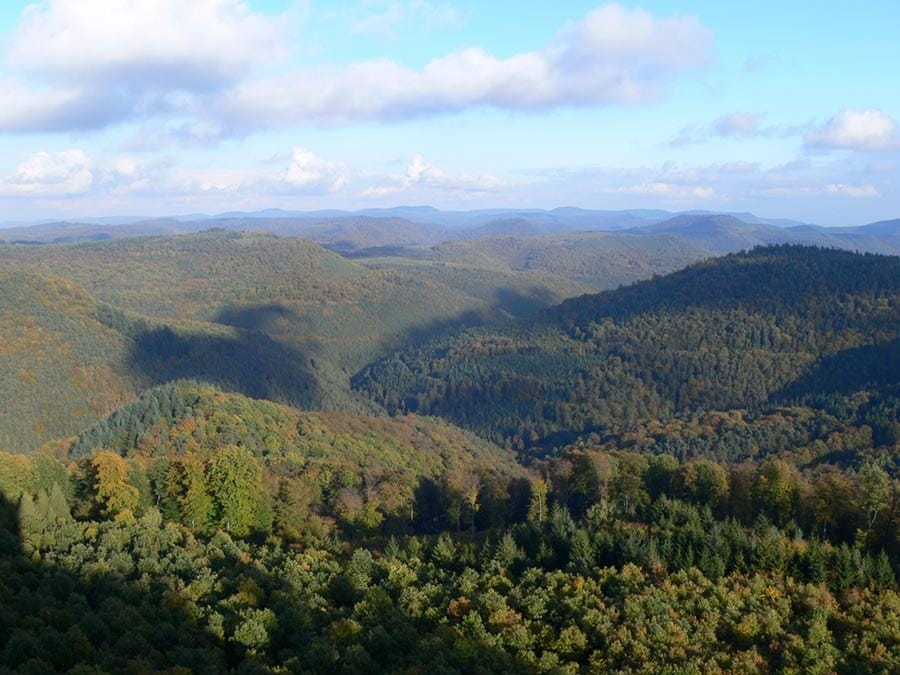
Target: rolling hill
{"x":271,"y":317}
{"x":720,"y":233}
{"x":183,"y":416}
{"x":322,"y":300}
{"x":601,"y":260}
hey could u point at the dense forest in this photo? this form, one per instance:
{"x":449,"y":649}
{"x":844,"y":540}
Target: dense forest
{"x":230,"y":452}
{"x":741,"y":331}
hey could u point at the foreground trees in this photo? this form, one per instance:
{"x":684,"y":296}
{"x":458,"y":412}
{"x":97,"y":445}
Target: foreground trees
{"x":681,"y":591}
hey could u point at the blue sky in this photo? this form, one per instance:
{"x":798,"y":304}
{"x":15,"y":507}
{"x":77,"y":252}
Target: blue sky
{"x":152,"y":107}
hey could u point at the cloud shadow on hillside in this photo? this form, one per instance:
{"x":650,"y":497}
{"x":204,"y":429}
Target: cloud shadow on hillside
{"x":255,"y":317}
{"x":250,"y":362}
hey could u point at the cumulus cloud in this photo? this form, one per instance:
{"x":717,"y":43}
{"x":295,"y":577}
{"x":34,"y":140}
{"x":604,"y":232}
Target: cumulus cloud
{"x":308,"y":171}
{"x":870,"y":129}
{"x":167,"y":44}
{"x":613,"y":56}
{"x":63,"y":173}
{"x":802,"y":186}
{"x":91,"y":63}
{"x":424,"y":174}
{"x":211,"y":61}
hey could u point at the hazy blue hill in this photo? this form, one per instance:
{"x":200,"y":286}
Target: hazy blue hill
{"x":347,"y":232}
{"x":719,"y":233}
{"x":729,"y":233}
{"x":890,"y":227}
{"x":417,"y":226}
{"x":586,"y":219}
{"x":519,"y":227}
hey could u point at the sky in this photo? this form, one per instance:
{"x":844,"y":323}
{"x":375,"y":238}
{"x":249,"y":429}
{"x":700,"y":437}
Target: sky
{"x":167,"y":107}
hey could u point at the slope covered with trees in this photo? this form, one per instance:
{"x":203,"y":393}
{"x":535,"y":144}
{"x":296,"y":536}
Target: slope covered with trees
{"x":291,"y":289}
{"x":602,"y":260}
{"x":61,"y":367}
{"x":739,"y":331}
{"x":273,"y":318}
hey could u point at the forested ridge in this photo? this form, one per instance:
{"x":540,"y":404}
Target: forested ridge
{"x":740,"y":331}
{"x":695,"y":473}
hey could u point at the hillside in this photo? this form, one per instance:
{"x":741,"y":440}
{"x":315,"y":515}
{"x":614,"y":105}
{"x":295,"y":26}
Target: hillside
{"x":271,"y":317}
{"x":184,"y":415}
{"x":61,"y":368}
{"x":291,"y":289}
{"x":345,"y":465}
{"x":602,"y":260}
{"x":239,"y":533}
{"x":68,"y":359}
{"x":730,"y":332}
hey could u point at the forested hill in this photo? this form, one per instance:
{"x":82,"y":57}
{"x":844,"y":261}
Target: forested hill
{"x":778,"y":279}
{"x":312,"y":469}
{"x":738,"y":331}
{"x":60,"y":367}
{"x":291,"y":289}
{"x":733,"y":506}
{"x":604,"y":260}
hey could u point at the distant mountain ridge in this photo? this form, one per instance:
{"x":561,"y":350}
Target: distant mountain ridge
{"x":416,"y":226}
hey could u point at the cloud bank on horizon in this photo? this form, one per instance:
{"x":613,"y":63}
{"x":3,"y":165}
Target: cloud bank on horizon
{"x":165,"y":106}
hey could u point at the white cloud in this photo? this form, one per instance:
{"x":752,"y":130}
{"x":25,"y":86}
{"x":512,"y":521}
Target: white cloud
{"x":305,"y":174}
{"x":613,"y":56}
{"x":856,"y":191}
{"x":669,"y":190}
{"x":735,"y":125}
{"x":169,"y":44}
{"x":153,"y":137}
{"x":424,"y":174}
{"x":308,"y":171}
{"x":91,"y":63}
{"x":870,"y":129}
{"x":63,"y":173}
